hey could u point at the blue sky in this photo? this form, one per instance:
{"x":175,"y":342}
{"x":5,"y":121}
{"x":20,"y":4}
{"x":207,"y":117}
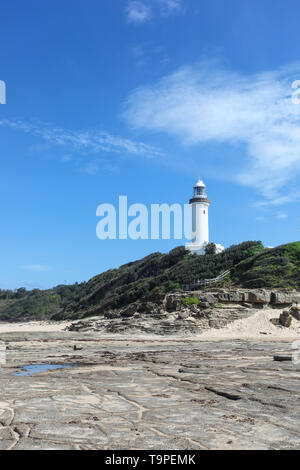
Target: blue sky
{"x":140,"y":98}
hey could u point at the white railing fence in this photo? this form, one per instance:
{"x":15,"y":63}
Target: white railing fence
{"x":205,"y":282}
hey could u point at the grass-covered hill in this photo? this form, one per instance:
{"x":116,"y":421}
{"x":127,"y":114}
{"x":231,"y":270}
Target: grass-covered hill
{"x":276,"y":267}
{"x":251,"y":266}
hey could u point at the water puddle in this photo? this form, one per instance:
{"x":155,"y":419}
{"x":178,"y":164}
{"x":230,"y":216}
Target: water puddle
{"x":36,"y":368}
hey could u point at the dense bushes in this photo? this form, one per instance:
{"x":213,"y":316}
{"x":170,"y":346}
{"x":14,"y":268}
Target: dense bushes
{"x":35,"y":304}
{"x":154,"y":275}
{"x":190,"y":301}
{"x":277,"y":267}
{"x":250,"y":263}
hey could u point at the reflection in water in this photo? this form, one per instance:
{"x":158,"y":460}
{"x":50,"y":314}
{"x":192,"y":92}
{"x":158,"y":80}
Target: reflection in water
{"x":34,"y":369}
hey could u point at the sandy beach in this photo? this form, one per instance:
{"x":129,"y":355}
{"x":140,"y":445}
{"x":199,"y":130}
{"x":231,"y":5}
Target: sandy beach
{"x":255,"y":328}
{"x":33,"y":326}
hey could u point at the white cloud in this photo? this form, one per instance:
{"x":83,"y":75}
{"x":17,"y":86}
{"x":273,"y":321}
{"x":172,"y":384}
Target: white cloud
{"x":138,"y":12}
{"x":281,"y":215}
{"x":36,"y":267}
{"x":39,"y":148}
{"x":170,"y":6}
{"x":279,"y":200}
{"x":143,"y":52}
{"x":91,"y":168}
{"x":208,"y":103}
{"x":84,"y":141}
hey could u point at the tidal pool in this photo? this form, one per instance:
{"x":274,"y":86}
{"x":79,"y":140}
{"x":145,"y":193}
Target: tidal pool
{"x":36,"y":368}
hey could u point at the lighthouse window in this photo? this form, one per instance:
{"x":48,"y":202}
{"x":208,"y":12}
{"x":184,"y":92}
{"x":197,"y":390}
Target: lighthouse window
{"x":203,"y":212}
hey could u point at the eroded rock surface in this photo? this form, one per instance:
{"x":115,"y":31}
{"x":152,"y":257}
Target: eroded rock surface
{"x":190,"y":312}
{"x":168,"y":393}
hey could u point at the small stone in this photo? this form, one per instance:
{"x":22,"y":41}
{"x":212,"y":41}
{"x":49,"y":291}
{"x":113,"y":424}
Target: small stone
{"x":204,"y":305}
{"x":111,"y":315}
{"x":129,"y":311}
{"x":285,"y":319}
{"x":246,"y":304}
{"x":295,"y":312}
{"x":183,"y":315}
{"x":172,"y":303}
{"x":78,"y":347}
{"x":210,"y":299}
{"x":283,"y":358}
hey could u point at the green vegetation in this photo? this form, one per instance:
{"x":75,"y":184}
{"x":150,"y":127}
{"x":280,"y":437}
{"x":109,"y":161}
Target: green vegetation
{"x":190,"y":301}
{"x":250,"y":265}
{"x":211,"y":249}
{"x":35,"y":304}
{"x":276,"y":267}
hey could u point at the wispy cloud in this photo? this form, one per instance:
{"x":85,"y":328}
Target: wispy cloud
{"x":170,"y":6}
{"x":144,"y":52}
{"x":36,"y":267}
{"x":281,"y":216}
{"x":39,"y":148}
{"x":140,"y":11}
{"x":209,"y":103}
{"x":85,"y":141}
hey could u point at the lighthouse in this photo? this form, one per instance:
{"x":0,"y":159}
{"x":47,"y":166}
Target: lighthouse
{"x":200,"y":226}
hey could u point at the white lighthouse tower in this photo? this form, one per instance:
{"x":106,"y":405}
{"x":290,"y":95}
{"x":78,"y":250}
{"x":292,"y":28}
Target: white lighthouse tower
{"x":200,"y":226}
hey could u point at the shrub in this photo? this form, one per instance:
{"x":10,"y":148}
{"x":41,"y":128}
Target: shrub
{"x":210,"y":249}
{"x":173,"y":286}
{"x":190,"y":301}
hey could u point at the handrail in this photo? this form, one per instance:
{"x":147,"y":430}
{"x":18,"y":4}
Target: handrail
{"x":206,"y":282}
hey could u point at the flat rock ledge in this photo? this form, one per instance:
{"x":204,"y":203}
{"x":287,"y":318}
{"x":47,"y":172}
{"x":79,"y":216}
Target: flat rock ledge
{"x":164,"y":393}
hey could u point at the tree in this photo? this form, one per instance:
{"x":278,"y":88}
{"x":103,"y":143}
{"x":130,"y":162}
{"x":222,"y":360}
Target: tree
{"x":210,"y":249}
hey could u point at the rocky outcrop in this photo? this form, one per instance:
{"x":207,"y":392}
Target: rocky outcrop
{"x":226,"y":296}
{"x":258,"y":296}
{"x":186,"y":320}
{"x":295,"y":312}
{"x":285,"y":298}
{"x":191,"y":312}
{"x":172,"y":302}
{"x":285,"y":319}
{"x":209,"y":299}
{"x":250,"y":297}
{"x":129,"y":311}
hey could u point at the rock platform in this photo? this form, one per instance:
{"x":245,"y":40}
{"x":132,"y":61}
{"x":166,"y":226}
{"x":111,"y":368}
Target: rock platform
{"x":148,"y":393}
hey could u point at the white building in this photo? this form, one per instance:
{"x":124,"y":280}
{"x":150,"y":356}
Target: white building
{"x":200,"y":226}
